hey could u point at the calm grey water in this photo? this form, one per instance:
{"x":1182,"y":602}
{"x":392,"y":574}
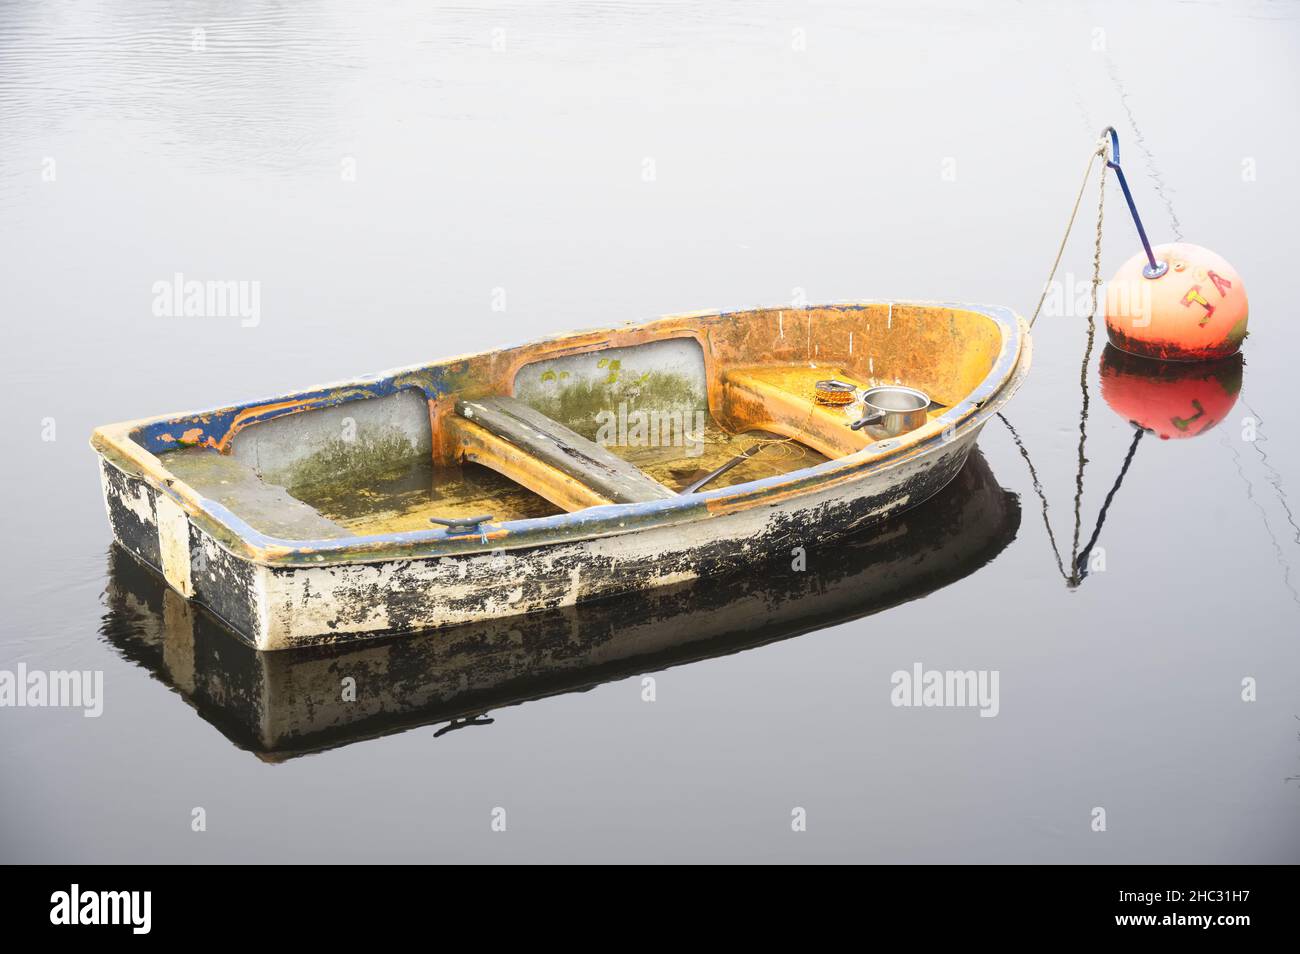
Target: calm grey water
{"x":384,"y":170}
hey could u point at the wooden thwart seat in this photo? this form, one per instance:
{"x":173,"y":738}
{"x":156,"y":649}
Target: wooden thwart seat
{"x":547,"y":457}
{"x":780,"y":399}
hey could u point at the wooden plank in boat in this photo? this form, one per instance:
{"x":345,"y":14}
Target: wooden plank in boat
{"x":478,"y":445}
{"x":780,"y":398}
{"x":555,"y":445}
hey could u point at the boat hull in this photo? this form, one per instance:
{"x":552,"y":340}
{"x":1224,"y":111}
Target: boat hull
{"x":278,"y":607}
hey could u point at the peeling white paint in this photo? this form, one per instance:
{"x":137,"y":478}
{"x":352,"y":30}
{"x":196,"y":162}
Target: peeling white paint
{"x":137,"y":503}
{"x":313,"y":604}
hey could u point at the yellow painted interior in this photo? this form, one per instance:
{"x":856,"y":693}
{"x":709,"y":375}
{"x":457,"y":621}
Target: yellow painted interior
{"x":761,"y":367}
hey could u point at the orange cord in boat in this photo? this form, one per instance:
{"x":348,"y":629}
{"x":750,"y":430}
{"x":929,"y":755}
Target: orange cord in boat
{"x":834,"y":393}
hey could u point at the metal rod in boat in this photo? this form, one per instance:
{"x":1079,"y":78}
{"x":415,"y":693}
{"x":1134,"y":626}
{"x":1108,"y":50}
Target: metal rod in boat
{"x":764,"y":437}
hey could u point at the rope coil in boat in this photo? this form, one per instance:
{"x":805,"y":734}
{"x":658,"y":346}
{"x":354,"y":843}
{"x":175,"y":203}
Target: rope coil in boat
{"x":834,"y":393}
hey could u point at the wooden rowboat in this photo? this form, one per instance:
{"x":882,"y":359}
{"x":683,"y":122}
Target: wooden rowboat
{"x":552,"y":472}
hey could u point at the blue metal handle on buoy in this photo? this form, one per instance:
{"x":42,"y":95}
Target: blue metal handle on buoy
{"x":1154,"y":269}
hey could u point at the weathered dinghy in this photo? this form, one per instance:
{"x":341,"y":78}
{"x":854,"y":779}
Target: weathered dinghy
{"x":565,"y":470}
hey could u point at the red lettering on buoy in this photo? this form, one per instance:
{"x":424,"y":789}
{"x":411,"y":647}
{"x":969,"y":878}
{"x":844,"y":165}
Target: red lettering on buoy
{"x":1220,"y":283}
{"x":1194,"y":295}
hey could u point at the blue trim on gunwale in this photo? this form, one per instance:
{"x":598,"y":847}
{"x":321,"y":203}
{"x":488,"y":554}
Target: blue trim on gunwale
{"x":158,"y":437}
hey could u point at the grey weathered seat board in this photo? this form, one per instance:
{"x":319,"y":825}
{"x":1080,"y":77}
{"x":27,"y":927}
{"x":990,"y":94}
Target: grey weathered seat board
{"x":265,"y":507}
{"x":552,"y":443}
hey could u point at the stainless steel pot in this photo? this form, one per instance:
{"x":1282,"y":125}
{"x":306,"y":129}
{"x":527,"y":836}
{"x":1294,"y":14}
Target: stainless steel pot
{"x":894,"y":409}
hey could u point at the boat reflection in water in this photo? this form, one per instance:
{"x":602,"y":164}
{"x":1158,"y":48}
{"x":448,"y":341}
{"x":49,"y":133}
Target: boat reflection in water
{"x":292,"y":702}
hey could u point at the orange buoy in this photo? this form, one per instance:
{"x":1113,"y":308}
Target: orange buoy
{"x":1170,"y":400}
{"x":1196,"y":310}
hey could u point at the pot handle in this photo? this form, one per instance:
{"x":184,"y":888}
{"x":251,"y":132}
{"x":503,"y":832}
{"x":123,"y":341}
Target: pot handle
{"x":864,"y":421}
